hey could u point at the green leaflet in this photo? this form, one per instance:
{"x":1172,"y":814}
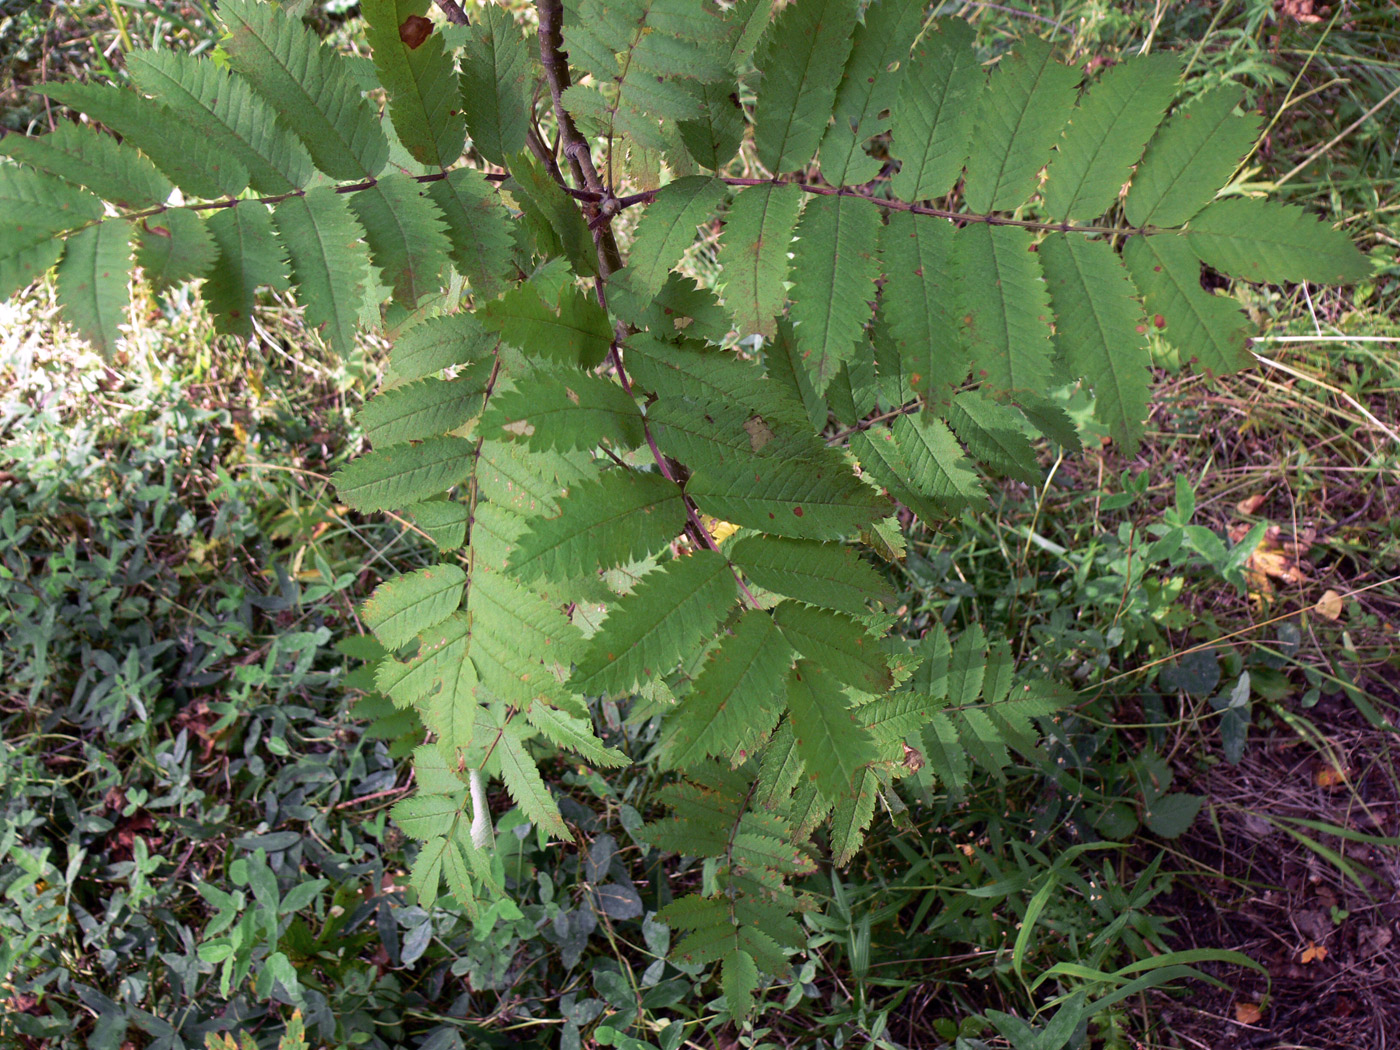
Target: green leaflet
{"x":522,"y":645}
{"x":566,"y":730}
{"x":779,"y":769}
{"x":704,"y":435}
{"x":522,"y":779}
{"x":558,"y":224}
{"x":660,"y":623}
{"x":429,"y":346}
{"x":943,"y":482}
{"x":995,"y":435}
{"x":868,"y":89}
{"x":930,"y":678}
{"x":1188,"y":161}
{"x":739,"y":980}
{"x":713,"y":137}
{"x":1022,"y":112}
{"x":1100,"y":330}
{"x":330,"y":265}
{"x":782,"y":361}
{"x":174,"y":246}
{"x":753,"y":252}
{"x":634,"y":49}
{"x":919,"y":304}
{"x":801,"y":58}
{"x":667,"y":228}
{"x":852,"y":815}
{"x":250,"y":256}
{"x":438,"y":664}
{"x":934,"y":113}
{"x":81,"y":154}
{"x":33,"y":208}
{"x":418,"y":79}
{"x":1209,"y":330}
{"x":796,"y":498}
{"x":622,"y":516}
{"x":309,"y":85}
{"x":967,"y":667}
{"x":191,"y":161}
{"x":1106,"y":135}
{"x":478,"y":229}
{"x":406,"y":235}
{"x":711,"y":377}
{"x":37,"y":205}
{"x":736,"y":699}
{"x":404,"y":474}
{"x":445,"y":522}
{"x":569,"y":412}
{"x":833,"y":745}
{"x":450,"y":708}
{"x":1266,"y":241}
{"x":405,"y":605}
{"x":835,"y":265}
{"x":495,"y":88}
{"x":92,"y":283}
{"x":837,"y":643}
{"x":426,"y":816}
{"x":1006,"y":309}
{"x":425,"y":408}
{"x":224,"y":108}
{"x":23,"y":260}
{"x":830,"y":575}
{"x":579,"y":333}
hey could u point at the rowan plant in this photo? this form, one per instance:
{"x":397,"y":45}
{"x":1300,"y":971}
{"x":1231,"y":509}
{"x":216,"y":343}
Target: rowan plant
{"x":646,"y":490}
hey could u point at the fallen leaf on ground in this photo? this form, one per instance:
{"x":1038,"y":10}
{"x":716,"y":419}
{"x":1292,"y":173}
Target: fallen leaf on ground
{"x":1250,"y":504}
{"x":1274,"y":559}
{"x":1248,"y":1013}
{"x":1314,"y":952}
{"x":1330,"y":776}
{"x":1329,"y":606}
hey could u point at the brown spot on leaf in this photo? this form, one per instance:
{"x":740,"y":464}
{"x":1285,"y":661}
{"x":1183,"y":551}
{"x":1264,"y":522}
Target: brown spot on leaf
{"x":415,"y":30}
{"x":1159,"y":321}
{"x":797,"y":511}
